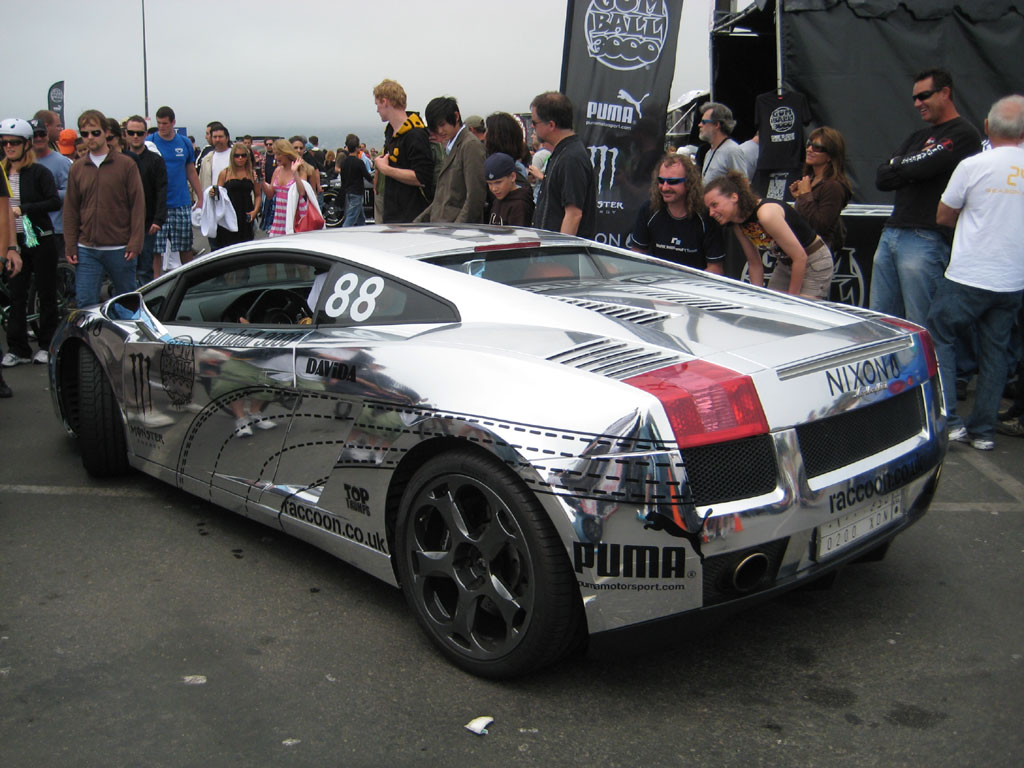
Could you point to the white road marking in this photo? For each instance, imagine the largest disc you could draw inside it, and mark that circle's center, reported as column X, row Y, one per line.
column 72, row 490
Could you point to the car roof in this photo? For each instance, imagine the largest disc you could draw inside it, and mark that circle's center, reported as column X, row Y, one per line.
column 426, row 240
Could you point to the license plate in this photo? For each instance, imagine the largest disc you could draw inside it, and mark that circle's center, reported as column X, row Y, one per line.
column 842, row 532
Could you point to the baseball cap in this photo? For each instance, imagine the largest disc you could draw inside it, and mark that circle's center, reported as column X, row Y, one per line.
column 66, row 142
column 498, row 165
column 475, row 122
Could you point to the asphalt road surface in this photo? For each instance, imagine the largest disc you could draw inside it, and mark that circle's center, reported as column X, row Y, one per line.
column 142, row 626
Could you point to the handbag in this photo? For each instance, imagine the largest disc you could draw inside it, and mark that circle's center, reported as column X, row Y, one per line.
column 309, row 220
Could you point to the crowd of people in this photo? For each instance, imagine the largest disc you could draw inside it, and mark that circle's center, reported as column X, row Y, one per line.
column 120, row 199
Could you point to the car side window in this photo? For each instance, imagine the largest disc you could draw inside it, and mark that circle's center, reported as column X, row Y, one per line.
column 254, row 289
column 352, row 295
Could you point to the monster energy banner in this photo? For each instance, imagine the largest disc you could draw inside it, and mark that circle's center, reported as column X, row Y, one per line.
column 55, row 99
column 617, row 67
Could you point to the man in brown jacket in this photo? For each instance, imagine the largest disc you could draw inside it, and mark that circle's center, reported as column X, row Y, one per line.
column 104, row 214
column 461, row 190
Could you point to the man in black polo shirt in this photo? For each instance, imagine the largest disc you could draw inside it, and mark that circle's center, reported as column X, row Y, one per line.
column 568, row 195
column 673, row 225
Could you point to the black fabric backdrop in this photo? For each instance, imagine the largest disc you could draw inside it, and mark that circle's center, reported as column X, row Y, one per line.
column 855, row 62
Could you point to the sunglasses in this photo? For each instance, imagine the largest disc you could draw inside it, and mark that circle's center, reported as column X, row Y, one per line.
column 244, row 154
column 925, row 95
column 708, row 122
column 134, row 133
column 672, row 181
column 817, row 147
column 91, row 133
column 12, row 142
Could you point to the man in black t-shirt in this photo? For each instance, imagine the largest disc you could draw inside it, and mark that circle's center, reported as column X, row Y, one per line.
column 672, row 225
column 568, row 195
column 913, row 250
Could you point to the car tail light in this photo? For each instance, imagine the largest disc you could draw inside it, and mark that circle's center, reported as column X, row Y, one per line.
column 705, row 403
column 926, row 341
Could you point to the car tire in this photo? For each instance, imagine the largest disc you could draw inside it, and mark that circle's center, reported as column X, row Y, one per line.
column 483, row 568
column 101, row 433
column 333, row 209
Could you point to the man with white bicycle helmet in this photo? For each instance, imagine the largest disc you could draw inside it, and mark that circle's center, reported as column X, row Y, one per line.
column 33, row 196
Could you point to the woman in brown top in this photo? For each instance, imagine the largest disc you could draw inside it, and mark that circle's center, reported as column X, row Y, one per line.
column 824, row 190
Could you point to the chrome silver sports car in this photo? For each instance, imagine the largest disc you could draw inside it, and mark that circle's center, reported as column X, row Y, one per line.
column 539, row 438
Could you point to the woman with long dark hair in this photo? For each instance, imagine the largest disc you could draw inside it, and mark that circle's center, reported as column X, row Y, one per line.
column 33, row 196
column 824, row 190
column 803, row 265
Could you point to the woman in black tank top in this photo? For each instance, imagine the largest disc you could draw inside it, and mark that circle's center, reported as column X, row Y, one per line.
column 803, row 262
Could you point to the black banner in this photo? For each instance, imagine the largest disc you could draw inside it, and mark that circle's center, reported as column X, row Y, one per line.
column 617, row 67
column 55, row 100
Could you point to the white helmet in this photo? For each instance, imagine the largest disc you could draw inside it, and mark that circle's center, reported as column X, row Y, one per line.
column 15, row 126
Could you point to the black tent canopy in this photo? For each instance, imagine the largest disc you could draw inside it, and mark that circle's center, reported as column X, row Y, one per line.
column 854, row 60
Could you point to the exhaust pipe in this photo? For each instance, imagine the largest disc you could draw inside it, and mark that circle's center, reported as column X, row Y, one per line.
column 749, row 572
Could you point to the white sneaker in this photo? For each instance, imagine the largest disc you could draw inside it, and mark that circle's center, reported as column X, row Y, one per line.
column 242, row 428
column 261, row 422
column 983, row 444
column 42, row 357
column 10, row 360
column 958, row 435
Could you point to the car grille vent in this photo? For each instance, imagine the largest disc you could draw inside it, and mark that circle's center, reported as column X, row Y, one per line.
column 636, row 315
column 615, row 359
column 834, row 442
column 682, row 299
column 737, row 469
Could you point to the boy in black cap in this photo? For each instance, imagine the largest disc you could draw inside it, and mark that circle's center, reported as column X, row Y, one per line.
column 513, row 205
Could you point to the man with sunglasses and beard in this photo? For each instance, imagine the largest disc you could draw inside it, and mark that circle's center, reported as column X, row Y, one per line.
column 104, row 214
column 154, row 188
column 673, row 224
column 913, row 250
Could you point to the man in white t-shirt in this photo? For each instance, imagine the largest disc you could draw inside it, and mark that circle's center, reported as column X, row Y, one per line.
column 215, row 162
column 984, row 281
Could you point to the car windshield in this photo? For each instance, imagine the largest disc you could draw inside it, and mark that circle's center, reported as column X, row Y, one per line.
column 526, row 266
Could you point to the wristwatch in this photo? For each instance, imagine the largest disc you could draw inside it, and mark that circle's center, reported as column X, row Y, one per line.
column 14, row 248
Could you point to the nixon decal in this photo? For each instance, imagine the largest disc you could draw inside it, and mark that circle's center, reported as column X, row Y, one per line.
column 330, row 369
column 630, row 560
column 141, row 388
column 626, row 34
column 867, row 375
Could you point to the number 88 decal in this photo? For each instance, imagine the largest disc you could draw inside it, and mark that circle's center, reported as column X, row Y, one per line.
column 365, row 302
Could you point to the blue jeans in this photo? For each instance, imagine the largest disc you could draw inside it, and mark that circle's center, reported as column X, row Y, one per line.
column 144, row 268
column 907, row 267
column 92, row 263
column 354, row 216
column 955, row 309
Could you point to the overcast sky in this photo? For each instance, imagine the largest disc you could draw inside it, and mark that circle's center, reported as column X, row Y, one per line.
column 260, row 72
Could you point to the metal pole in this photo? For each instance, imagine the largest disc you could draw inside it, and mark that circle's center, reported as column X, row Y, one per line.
column 145, row 75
